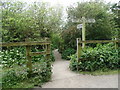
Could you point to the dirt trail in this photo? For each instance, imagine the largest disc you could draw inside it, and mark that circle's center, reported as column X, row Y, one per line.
column 62, row 77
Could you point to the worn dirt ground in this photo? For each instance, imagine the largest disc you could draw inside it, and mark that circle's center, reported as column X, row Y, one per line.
column 64, row 78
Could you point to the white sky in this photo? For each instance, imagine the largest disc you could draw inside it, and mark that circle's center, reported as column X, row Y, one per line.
column 65, row 2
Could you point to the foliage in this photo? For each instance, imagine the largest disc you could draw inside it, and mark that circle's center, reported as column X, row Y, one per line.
column 101, row 57
column 15, row 70
column 69, row 36
column 52, row 58
column 13, row 56
column 104, row 27
column 115, row 9
column 104, row 23
column 56, row 40
column 17, row 56
column 66, row 53
column 21, row 20
column 41, row 74
column 10, row 78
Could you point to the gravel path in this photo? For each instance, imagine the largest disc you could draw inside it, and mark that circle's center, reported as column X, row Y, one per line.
column 64, row 78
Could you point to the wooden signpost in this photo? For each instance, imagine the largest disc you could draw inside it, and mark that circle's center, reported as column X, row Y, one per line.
column 79, row 26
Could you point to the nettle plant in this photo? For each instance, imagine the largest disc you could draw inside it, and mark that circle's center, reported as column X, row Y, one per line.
column 102, row 57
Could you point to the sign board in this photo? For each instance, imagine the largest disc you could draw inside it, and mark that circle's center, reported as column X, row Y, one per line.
column 79, row 26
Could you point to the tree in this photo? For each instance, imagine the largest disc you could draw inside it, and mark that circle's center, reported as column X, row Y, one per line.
column 21, row 20
column 116, row 11
column 102, row 28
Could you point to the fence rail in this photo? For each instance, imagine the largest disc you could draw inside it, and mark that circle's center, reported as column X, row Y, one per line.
column 98, row 41
column 22, row 44
column 79, row 42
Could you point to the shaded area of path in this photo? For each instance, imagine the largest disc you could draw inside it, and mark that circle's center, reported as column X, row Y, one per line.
column 64, row 78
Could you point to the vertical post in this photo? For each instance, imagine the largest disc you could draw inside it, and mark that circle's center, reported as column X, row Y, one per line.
column 48, row 50
column 83, row 31
column 116, row 43
column 79, row 50
column 29, row 59
column 48, row 57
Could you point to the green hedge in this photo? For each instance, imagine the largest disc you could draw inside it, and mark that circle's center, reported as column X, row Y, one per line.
column 17, row 56
column 13, row 61
column 66, row 53
column 102, row 57
column 12, row 77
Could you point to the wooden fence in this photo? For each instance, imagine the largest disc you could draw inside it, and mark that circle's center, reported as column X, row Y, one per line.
column 29, row 54
column 79, row 42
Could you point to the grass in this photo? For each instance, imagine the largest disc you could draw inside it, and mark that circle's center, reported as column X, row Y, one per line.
column 24, row 84
column 99, row 72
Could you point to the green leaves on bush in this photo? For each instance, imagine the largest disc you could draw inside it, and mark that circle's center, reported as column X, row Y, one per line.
column 11, row 78
column 17, row 56
column 13, row 56
column 101, row 57
column 41, row 73
column 15, row 59
column 66, row 53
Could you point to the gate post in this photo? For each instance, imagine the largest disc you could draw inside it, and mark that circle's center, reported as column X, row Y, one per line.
column 29, row 59
column 48, row 52
column 48, row 48
column 79, row 50
column 116, row 43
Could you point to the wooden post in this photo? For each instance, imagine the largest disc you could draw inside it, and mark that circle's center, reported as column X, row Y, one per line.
column 29, row 59
column 116, row 44
column 48, row 50
column 79, row 50
column 83, row 31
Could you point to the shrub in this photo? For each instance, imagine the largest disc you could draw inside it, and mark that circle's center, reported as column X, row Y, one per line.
column 13, row 56
column 41, row 73
column 66, row 53
column 101, row 57
column 17, row 56
column 17, row 73
column 11, row 78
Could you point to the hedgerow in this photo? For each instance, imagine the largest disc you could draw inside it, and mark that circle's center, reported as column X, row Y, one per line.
column 102, row 57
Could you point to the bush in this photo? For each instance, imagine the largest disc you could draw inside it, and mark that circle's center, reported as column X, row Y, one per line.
column 15, row 70
column 11, row 77
column 102, row 57
column 13, row 56
column 41, row 73
column 17, row 56
column 66, row 53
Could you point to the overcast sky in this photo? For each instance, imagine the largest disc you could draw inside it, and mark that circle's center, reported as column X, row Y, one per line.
column 65, row 2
